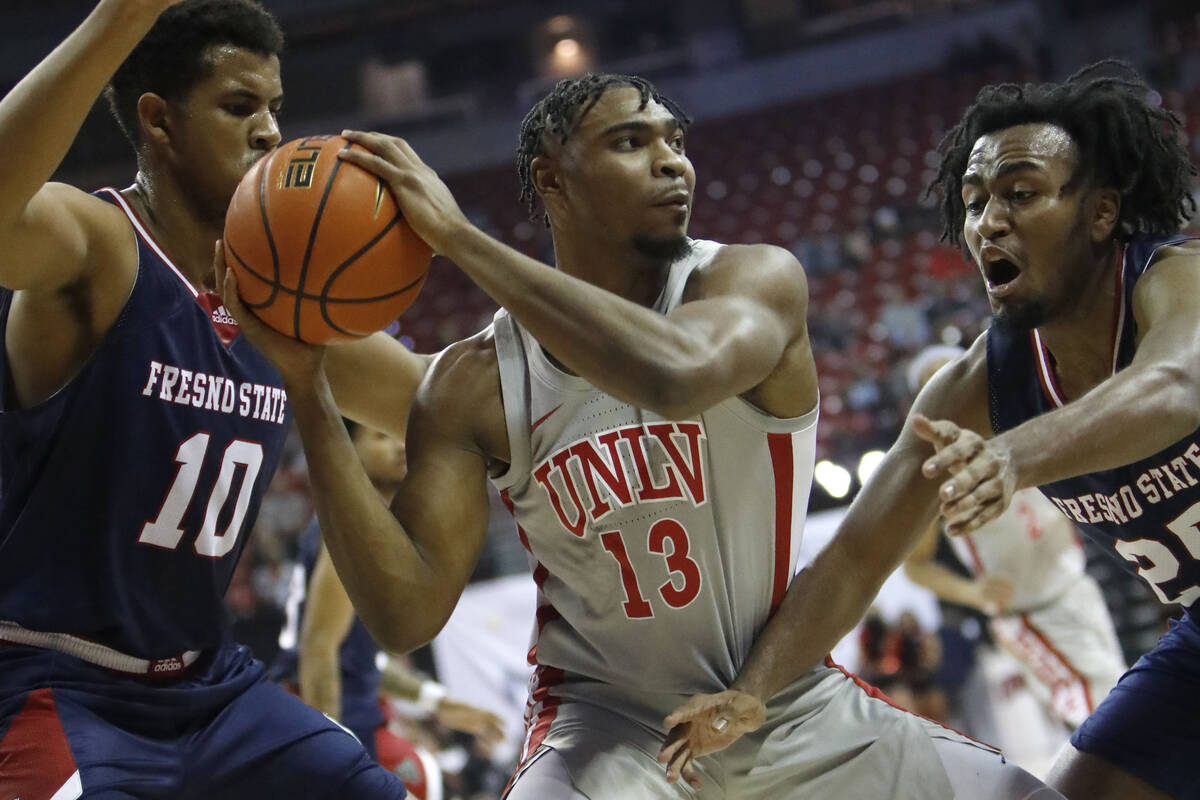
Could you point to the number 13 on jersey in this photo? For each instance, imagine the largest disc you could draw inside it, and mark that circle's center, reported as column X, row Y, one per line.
column 663, row 534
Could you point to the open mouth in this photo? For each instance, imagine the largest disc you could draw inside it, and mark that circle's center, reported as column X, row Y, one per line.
column 1000, row 272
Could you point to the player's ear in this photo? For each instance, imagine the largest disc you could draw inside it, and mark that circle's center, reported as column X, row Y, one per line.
column 1106, row 209
column 153, row 119
column 543, row 173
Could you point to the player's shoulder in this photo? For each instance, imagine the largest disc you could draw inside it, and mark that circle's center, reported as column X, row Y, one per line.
column 464, row 374
column 959, row 390
column 764, row 269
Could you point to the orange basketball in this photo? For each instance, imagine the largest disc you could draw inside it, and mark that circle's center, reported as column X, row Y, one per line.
column 319, row 247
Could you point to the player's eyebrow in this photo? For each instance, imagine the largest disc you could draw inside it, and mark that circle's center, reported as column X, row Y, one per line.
column 973, row 177
column 638, row 125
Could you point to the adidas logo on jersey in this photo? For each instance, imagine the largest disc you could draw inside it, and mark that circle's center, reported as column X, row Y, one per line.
column 221, row 316
column 172, row 664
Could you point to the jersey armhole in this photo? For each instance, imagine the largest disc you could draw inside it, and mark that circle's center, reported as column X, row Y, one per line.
column 514, row 396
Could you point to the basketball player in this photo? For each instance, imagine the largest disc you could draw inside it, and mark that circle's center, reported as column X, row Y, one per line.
column 333, row 662
column 1067, row 197
column 1029, row 576
column 139, row 430
column 648, row 409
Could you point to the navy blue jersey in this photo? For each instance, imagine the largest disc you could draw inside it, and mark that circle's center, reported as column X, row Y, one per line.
column 356, row 657
column 1148, row 511
column 126, row 497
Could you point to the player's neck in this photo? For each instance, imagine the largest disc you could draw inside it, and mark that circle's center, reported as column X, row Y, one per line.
column 618, row 268
column 1080, row 339
column 176, row 226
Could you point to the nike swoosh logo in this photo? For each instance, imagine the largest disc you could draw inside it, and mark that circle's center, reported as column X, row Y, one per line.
column 543, row 418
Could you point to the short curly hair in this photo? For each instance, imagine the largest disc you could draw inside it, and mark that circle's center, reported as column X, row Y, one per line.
column 173, row 55
column 559, row 112
column 1125, row 142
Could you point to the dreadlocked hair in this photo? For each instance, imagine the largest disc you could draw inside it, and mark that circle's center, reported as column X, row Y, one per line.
column 1124, row 142
column 558, row 113
column 173, row 56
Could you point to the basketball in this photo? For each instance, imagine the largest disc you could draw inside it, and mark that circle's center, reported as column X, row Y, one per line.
column 319, row 247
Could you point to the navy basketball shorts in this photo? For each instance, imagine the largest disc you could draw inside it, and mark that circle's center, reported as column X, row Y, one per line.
column 1149, row 724
column 69, row 729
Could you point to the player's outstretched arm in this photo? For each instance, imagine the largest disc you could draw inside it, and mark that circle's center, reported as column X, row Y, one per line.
column 405, row 567
column 826, row 599
column 433, row 698
column 328, row 616
column 989, row 594
column 728, row 336
column 1149, row 405
column 52, row 233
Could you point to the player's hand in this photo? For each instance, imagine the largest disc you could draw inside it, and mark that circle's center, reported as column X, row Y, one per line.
column 295, row 360
column 484, row 725
column 428, row 206
column 982, row 474
column 705, row 724
column 995, row 593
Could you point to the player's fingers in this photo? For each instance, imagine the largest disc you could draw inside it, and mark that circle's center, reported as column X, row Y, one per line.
column 688, row 771
column 390, row 148
column 219, row 261
column 697, row 706
column 957, row 453
column 676, row 740
column 679, row 761
column 939, row 434
column 983, row 515
column 373, row 163
column 989, row 490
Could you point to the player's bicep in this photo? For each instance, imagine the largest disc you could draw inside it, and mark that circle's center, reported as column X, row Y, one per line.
column 745, row 312
column 62, row 235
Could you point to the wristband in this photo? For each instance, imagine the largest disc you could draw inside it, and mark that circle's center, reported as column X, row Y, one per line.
column 430, row 695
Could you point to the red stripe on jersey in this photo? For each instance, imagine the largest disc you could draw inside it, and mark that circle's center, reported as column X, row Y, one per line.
column 35, row 757
column 780, row 445
column 879, row 695
column 540, row 712
column 1046, row 374
column 1087, row 693
column 546, row 613
column 1118, row 312
column 976, row 562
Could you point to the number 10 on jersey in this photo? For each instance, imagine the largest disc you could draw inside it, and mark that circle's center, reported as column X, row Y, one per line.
column 166, row 530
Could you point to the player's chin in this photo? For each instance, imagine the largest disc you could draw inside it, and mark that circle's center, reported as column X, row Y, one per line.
column 664, row 246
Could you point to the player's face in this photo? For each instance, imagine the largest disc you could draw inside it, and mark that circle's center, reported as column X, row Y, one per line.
column 382, row 456
column 627, row 172
column 1024, row 221
column 226, row 122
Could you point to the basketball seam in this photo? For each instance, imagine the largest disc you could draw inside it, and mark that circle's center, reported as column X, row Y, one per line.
column 324, row 297
column 262, row 210
column 312, row 238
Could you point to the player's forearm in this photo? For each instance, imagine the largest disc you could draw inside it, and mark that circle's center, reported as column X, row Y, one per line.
column 41, row 116
column 629, row 351
column 944, row 583
column 394, row 590
column 1127, row 418
column 320, row 680
column 396, row 680
column 825, row 601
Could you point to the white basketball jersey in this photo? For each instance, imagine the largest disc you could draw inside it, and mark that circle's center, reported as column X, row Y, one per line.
column 1032, row 544
column 659, row 547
